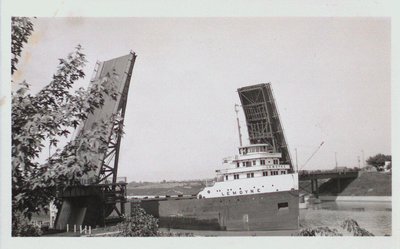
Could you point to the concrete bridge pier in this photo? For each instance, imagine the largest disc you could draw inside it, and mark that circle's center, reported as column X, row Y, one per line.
column 339, row 189
column 314, row 187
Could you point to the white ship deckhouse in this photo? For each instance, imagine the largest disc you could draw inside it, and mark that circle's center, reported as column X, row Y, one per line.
column 257, row 169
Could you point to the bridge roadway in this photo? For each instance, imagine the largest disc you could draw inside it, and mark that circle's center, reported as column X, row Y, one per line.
column 327, row 174
column 336, row 174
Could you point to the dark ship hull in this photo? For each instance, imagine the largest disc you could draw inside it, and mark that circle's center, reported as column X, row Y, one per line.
column 258, row 212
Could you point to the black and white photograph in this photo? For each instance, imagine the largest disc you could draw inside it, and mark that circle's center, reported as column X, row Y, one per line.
column 232, row 127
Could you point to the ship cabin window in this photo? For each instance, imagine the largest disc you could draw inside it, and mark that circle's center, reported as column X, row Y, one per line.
column 283, row 205
column 236, row 176
column 283, row 172
column 276, row 161
column 254, row 162
column 250, row 175
column 265, row 173
column 274, row 172
column 226, row 178
column 262, row 162
column 237, row 164
column 248, row 164
column 244, row 164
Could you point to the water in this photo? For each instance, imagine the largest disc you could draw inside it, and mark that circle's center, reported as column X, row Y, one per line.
column 376, row 217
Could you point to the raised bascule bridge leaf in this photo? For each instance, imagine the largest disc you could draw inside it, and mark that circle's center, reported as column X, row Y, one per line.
column 262, row 119
column 99, row 192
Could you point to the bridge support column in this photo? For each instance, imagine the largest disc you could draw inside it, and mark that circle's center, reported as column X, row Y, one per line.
column 338, row 185
column 312, row 186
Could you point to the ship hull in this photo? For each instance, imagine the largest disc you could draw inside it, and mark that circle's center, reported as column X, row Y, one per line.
column 257, row 212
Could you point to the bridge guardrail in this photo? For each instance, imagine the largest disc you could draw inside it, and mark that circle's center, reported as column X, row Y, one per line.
column 316, row 172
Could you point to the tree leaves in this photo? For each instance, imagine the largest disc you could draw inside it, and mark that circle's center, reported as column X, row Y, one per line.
column 379, row 160
column 139, row 224
column 21, row 29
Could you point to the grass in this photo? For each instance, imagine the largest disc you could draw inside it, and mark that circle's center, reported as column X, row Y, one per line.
column 367, row 184
column 166, row 188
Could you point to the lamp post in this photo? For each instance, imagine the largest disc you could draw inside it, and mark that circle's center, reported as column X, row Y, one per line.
column 336, row 165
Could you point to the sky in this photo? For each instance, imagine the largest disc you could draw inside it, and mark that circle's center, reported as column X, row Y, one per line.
column 330, row 77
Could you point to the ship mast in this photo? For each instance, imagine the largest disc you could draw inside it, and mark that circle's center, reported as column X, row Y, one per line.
column 238, row 124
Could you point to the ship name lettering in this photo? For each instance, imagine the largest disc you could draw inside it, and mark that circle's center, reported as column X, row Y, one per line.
column 227, row 193
column 251, row 191
column 246, row 191
column 240, row 192
column 258, row 190
column 234, row 192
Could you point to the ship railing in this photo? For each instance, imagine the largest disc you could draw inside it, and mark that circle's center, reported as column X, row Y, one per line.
column 252, row 168
column 256, row 155
column 227, row 159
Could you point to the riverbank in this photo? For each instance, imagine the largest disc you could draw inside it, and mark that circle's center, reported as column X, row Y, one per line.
column 366, row 184
column 371, row 184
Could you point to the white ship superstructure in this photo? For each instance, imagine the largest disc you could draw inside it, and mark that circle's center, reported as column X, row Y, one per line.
column 257, row 169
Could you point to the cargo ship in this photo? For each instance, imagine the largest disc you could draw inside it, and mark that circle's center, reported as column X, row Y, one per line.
column 255, row 190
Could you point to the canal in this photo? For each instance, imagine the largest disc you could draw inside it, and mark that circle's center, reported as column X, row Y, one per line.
column 376, row 217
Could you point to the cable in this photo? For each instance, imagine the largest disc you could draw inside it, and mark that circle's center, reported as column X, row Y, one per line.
column 312, row 155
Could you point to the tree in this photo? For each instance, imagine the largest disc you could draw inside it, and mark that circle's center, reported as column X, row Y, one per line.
column 47, row 116
column 21, row 29
column 139, row 224
column 379, row 160
column 23, row 227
